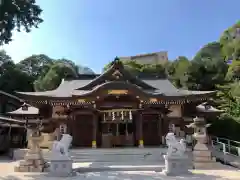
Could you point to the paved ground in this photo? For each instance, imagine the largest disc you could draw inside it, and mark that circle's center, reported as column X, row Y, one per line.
column 226, row 173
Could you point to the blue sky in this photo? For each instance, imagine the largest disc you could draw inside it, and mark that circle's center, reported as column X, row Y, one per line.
column 93, row 32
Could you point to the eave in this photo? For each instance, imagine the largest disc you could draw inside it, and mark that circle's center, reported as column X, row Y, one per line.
column 11, row 96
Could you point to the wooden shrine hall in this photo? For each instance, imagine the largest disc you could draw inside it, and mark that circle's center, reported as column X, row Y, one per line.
column 117, row 109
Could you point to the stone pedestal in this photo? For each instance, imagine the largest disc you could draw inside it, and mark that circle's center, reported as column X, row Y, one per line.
column 176, row 165
column 202, row 157
column 33, row 160
column 60, row 166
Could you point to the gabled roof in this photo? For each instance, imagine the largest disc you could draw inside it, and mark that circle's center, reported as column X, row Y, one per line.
column 116, row 72
column 118, row 76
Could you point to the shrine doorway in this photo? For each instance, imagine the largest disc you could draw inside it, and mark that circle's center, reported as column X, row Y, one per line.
column 119, row 132
column 82, row 130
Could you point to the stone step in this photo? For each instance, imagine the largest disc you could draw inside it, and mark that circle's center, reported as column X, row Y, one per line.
column 113, row 157
column 108, row 155
column 207, row 165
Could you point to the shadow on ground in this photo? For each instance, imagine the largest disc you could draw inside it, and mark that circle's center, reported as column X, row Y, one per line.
column 116, row 176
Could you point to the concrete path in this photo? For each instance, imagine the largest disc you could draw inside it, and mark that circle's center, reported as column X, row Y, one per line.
column 226, row 173
column 228, row 158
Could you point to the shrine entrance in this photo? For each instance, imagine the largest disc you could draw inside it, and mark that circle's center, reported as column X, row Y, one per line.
column 118, row 129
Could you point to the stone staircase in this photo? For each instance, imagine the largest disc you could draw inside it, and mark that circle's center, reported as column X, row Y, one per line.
column 113, row 159
column 106, row 155
column 119, row 155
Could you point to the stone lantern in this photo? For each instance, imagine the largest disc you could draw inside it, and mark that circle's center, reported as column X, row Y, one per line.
column 202, row 156
column 33, row 160
column 200, row 129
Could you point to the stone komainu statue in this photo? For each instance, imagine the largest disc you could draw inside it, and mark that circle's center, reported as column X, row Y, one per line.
column 63, row 145
column 175, row 148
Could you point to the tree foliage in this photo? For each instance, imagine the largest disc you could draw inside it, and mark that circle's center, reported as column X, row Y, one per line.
column 230, row 42
column 18, row 14
column 177, row 71
column 11, row 78
column 37, row 72
column 58, row 71
column 207, row 68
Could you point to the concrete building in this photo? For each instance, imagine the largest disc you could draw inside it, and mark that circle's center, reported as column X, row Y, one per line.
column 150, row 58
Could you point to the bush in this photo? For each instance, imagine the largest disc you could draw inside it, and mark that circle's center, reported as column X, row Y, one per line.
column 225, row 127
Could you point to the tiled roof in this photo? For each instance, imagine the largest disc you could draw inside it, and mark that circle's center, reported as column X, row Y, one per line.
column 84, row 86
column 64, row 90
column 162, row 86
column 67, row 88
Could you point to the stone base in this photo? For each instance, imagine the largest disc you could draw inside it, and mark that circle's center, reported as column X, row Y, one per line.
column 60, row 166
column 33, row 162
column 167, row 173
column 61, row 174
column 36, row 165
column 176, row 165
column 202, row 157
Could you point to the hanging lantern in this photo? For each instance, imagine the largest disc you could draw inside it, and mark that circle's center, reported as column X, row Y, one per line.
column 104, row 117
column 122, row 115
column 130, row 115
column 113, row 116
column 173, row 128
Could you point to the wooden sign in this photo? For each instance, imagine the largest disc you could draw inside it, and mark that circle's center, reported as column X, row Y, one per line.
column 117, row 92
column 81, row 100
column 153, row 100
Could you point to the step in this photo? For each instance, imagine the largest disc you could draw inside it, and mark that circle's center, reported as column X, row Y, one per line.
column 122, row 155
column 107, row 155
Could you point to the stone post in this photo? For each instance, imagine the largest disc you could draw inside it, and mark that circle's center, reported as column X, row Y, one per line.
column 140, row 140
column 94, row 136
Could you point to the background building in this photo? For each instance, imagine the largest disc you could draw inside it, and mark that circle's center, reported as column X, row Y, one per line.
column 150, row 58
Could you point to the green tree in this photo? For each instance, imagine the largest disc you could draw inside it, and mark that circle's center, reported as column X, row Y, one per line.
column 4, row 57
column 11, row 77
column 211, row 50
column 177, row 70
column 229, row 100
column 230, row 42
column 208, row 68
column 35, row 65
column 19, row 14
column 58, row 71
column 233, row 71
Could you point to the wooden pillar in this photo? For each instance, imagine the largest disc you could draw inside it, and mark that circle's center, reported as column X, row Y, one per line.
column 160, row 129
column 94, row 134
column 140, row 131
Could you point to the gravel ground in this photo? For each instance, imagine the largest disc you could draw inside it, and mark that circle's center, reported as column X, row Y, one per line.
column 226, row 173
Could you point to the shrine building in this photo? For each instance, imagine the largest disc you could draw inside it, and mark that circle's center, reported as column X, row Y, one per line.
column 117, row 109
